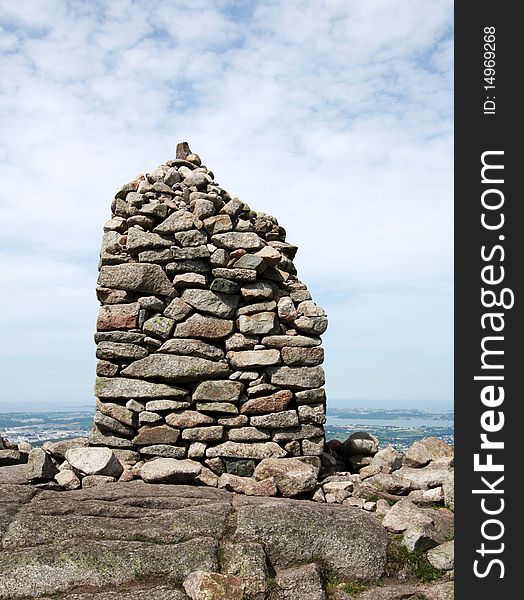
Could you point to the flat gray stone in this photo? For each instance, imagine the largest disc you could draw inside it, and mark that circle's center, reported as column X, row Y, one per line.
column 276, row 420
column 116, row 351
column 189, row 347
column 169, row 367
column 40, row 465
column 200, row 326
column 297, row 377
column 137, row 277
column 212, row 303
column 218, row 390
column 170, row 470
column 258, row 323
column 246, row 359
column 94, row 461
column 258, row 451
column 123, row 388
column 234, row 240
column 349, row 542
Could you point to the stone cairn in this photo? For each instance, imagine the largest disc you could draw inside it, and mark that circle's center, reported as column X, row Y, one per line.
column 208, row 344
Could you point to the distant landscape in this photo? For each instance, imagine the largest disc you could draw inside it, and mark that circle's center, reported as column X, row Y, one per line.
column 399, row 427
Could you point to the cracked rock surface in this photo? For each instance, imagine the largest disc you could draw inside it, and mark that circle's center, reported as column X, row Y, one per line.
column 132, row 540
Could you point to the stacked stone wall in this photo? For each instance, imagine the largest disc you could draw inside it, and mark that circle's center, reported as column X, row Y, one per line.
column 208, row 344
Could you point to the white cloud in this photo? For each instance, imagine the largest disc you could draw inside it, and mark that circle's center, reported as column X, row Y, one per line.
column 335, row 116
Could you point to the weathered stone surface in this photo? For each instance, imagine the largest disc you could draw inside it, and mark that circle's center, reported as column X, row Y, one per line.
column 233, row 240
column 297, row 377
column 118, row 412
column 150, row 417
column 217, row 407
column 122, row 388
column 116, row 351
column 253, row 358
column 203, row 434
column 404, row 515
column 313, row 447
column 312, row 413
column 138, row 240
column 250, row 309
column 258, row 323
column 170, row 470
column 293, row 477
column 390, row 483
column 312, row 325
column 124, row 337
column 360, row 443
column 311, row 357
column 189, row 347
column 189, row 280
column 90, row 481
column 163, row 451
column 67, row 479
column 106, row 423
column 177, row 310
column 159, row 326
column 250, row 261
column 349, row 542
column 117, row 316
column 443, row 556
column 168, row 367
column 426, row 450
column 58, row 449
column 247, row 561
column 247, row 434
column 159, row 434
column 258, row 451
column 105, row 368
column 277, row 420
column 428, row 477
column 256, row 292
column 201, row 326
column 246, row 485
column 40, row 465
column 202, row 585
column 224, row 286
column 301, row 583
column 236, row 421
column 243, row 275
column 238, row 341
column 190, row 253
column 219, row 390
column 388, row 457
column 162, row 405
column 137, row 277
column 298, row 433
column 213, row 303
column 192, row 237
column 94, row 461
column 267, row 404
column 218, row 224
column 313, row 396
column 181, row 220
column 292, row 341
column 188, row 418
column 100, row 438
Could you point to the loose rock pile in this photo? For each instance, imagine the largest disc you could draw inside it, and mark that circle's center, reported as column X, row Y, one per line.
column 208, row 343
column 12, row 453
column 384, row 530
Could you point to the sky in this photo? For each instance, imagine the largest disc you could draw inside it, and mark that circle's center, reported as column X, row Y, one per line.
column 335, row 116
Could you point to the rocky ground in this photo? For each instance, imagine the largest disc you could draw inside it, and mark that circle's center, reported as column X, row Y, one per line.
column 377, row 526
